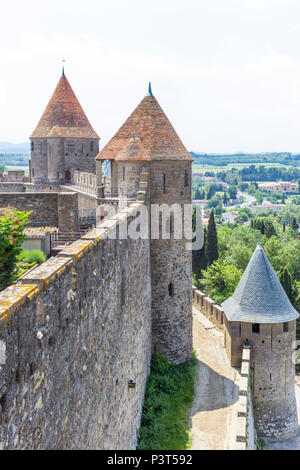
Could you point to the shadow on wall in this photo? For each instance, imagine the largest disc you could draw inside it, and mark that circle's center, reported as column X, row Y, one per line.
column 212, row 390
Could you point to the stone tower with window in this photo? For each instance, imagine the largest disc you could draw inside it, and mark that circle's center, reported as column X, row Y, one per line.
column 64, row 140
column 147, row 143
column 260, row 313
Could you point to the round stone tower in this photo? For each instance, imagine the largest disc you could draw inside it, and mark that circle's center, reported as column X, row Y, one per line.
column 64, row 140
column 147, row 143
column 260, row 313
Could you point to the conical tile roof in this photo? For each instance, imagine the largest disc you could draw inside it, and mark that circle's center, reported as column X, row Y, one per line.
column 63, row 116
column 259, row 296
column 155, row 136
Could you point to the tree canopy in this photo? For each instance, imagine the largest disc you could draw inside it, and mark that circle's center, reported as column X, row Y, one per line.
column 12, row 223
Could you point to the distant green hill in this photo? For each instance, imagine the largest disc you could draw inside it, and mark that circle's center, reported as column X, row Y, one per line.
column 9, row 147
column 285, row 158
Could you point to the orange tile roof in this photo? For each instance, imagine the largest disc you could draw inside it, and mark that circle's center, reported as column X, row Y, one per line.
column 63, row 116
column 154, row 137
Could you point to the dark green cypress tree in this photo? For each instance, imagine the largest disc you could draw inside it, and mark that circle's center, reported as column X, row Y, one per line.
column 199, row 262
column 211, row 241
column 283, row 227
column 286, row 282
column 294, row 224
column 197, row 194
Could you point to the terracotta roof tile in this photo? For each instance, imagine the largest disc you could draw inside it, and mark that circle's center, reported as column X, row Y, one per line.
column 156, row 138
column 63, row 116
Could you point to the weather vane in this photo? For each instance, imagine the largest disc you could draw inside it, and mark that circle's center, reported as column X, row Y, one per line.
column 63, row 69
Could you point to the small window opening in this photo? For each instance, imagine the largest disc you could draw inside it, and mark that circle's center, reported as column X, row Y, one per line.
column 164, row 183
column 71, row 146
column 92, row 146
column 32, row 170
column 123, row 173
column 285, row 327
column 172, row 224
column 171, row 289
column 32, row 146
column 255, row 328
column 186, row 178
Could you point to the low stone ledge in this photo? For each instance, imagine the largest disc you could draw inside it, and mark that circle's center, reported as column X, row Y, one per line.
column 245, row 369
column 242, row 406
column 96, row 234
column 245, row 430
column 15, row 296
column 45, row 273
column 246, row 353
column 241, row 433
column 77, row 249
column 243, row 386
column 109, row 223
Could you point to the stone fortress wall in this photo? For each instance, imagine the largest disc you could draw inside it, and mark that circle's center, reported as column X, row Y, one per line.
column 59, row 209
column 60, row 206
column 75, row 345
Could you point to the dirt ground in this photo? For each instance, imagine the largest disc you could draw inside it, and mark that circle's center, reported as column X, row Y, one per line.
column 215, row 392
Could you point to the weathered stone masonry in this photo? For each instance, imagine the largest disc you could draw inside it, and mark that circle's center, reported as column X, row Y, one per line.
column 59, row 209
column 76, row 332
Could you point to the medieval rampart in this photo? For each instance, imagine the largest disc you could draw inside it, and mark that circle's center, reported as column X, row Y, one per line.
column 75, row 345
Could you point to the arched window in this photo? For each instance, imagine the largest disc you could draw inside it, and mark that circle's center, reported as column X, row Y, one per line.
column 171, row 289
column 32, row 146
column 68, row 176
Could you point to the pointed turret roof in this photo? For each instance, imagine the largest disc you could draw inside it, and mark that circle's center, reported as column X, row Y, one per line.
column 63, row 116
column 155, row 137
column 259, row 296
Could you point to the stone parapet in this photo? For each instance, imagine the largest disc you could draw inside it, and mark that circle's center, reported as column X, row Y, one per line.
column 208, row 307
column 245, row 429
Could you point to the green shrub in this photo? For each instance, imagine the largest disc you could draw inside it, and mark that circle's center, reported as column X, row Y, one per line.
column 33, row 256
column 12, row 223
column 168, row 398
column 160, row 364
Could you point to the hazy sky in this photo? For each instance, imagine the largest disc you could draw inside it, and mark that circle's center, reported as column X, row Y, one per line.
column 226, row 72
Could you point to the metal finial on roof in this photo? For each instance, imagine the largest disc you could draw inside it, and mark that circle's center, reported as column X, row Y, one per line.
column 149, row 90
column 63, row 69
